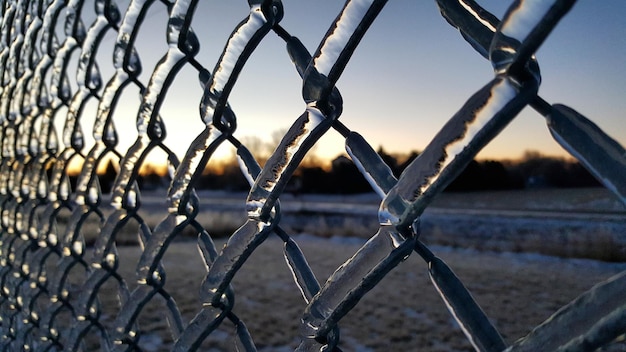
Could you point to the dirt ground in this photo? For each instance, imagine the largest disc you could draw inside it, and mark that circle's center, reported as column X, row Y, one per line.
column 402, row 313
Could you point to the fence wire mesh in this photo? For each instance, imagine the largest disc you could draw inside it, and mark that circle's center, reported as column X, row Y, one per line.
column 57, row 293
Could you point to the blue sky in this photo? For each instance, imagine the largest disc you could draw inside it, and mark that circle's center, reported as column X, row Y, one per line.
column 411, row 72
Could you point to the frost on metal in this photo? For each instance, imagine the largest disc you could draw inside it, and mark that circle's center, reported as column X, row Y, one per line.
column 52, row 284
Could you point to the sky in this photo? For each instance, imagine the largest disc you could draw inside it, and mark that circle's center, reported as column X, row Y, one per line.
column 411, row 72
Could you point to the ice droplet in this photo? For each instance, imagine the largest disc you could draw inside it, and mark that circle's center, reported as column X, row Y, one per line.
column 131, row 199
column 64, row 189
column 78, row 139
column 111, row 260
column 52, row 239
column 110, row 134
column 93, row 194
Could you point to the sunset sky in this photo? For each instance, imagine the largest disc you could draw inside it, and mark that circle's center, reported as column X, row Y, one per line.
column 411, row 72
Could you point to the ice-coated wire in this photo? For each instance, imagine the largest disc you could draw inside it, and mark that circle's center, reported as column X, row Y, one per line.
column 596, row 150
column 52, row 279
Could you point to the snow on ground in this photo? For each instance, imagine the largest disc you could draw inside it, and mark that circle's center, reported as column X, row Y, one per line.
column 516, row 267
column 587, row 223
column 403, row 312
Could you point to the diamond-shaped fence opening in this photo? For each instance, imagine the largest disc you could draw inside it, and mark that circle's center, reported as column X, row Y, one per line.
column 69, row 283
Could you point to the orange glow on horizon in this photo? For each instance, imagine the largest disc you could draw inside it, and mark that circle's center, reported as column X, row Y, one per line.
column 220, row 163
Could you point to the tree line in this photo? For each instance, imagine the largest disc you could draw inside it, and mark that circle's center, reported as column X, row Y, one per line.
column 343, row 177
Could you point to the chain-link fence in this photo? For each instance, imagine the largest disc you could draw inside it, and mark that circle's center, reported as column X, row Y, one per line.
column 57, row 293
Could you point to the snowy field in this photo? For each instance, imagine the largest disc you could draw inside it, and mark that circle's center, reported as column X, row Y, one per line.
column 495, row 242
column 579, row 223
column 403, row 313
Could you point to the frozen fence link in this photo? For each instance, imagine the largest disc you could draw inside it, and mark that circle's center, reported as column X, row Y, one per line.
column 64, row 282
column 475, row 324
column 593, row 319
column 602, row 155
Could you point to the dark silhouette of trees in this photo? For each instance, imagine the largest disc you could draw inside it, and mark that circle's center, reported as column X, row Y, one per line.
column 580, row 177
column 107, row 178
column 468, row 180
column 391, row 161
column 346, row 178
column 409, row 159
column 229, row 178
column 314, row 180
column 481, row 176
column 535, row 170
column 343, row 177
